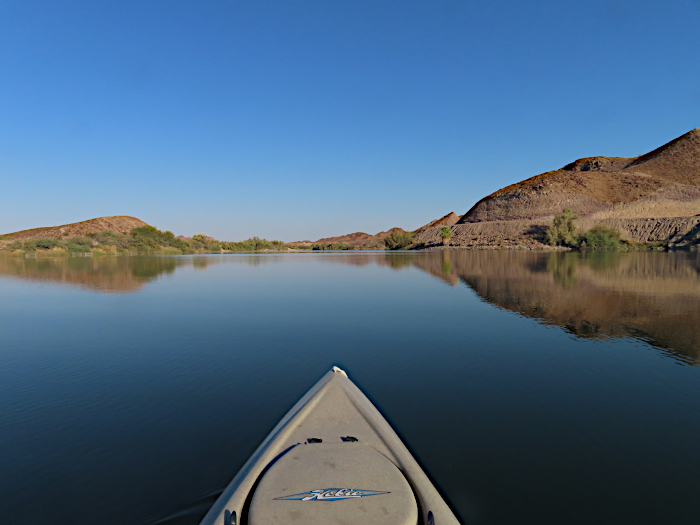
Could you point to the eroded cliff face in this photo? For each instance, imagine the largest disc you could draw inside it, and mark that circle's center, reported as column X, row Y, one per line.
column 662, row 183
column 676, row 231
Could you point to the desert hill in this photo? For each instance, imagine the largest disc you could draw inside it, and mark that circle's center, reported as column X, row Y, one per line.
column 118, row 224
column 662, row 183
column 357, row 239
column 448, row 220
column 366, row 240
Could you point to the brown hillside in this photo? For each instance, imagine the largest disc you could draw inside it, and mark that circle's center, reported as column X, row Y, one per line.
column 448, row 220
column 366, row 240
column 662, row 183
column 359, row 239
column 119, row 224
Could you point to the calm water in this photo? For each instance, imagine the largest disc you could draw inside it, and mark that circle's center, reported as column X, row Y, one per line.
column 533, row 387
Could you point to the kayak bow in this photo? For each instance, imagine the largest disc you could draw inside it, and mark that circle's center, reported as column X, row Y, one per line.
column 332, row 459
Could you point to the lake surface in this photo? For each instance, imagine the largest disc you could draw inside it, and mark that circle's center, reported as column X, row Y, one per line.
column 532, row 387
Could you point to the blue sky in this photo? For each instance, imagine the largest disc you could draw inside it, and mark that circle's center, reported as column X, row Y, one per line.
column 303, row 119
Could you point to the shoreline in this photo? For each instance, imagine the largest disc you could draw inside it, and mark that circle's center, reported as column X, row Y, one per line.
column 448, row 248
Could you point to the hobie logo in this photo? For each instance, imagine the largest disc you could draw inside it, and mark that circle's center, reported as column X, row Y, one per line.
column 332, row 494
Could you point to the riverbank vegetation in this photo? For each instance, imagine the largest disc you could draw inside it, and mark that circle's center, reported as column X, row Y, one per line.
column 445, row 234
column 332, row 246
column 398, row 240
column 600, row 237
column 142, row 240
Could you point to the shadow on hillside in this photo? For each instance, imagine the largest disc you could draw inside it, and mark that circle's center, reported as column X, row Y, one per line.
column 537, row 232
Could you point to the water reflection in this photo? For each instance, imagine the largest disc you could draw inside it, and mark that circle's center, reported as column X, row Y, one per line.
column 646, row 295
column 103, row 274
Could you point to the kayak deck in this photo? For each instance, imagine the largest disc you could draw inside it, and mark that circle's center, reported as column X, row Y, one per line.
column 333, row 458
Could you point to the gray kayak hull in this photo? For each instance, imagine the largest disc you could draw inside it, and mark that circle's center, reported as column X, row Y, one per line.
column 331, row 459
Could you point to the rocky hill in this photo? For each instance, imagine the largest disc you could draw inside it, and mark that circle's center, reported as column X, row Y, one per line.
column 448, row 220
column 651, row 198
column 118, row 224
column 357, row 239
column 366, row 240
column 662, row 183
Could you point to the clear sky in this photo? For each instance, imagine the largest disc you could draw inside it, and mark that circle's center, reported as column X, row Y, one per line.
column 304, row 119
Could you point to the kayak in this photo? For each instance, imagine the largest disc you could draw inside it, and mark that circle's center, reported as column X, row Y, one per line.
column 332, row 459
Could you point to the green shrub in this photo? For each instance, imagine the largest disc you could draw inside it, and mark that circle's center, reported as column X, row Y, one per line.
column 397, row 240
column 332, row 246
column 46, row 244
column 445, row 233
column 110, row 238
column 146, row 239
column 169, row 250
column 77, row 248
column 600, row 237
column 563, row 231
column 249, row 245
column 79, row 244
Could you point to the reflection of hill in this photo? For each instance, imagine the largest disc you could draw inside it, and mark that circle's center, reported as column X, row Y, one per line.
column 108, row 274
column 646, row 295
column 113, row 274
column 104, row 274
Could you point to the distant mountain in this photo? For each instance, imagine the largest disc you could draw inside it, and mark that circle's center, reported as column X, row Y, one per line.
column 119, row 224
column 357, row 239
column 662, row 183
column 366, row 240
